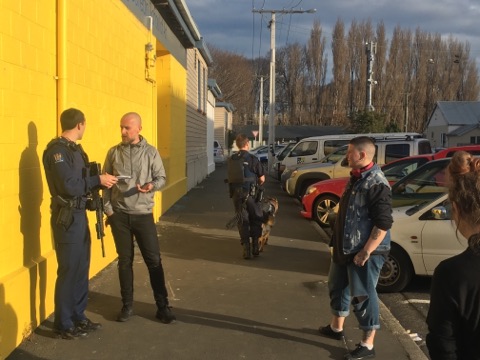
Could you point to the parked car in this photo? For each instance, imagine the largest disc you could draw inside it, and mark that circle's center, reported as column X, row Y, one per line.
column 315, row 148
column 218, row 153
column 262, row 154
column 333, row 167
column 422, row 236
column 321, row 197
column 277, row 168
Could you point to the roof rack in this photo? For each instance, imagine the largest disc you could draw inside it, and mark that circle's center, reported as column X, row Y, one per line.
column 397, row 136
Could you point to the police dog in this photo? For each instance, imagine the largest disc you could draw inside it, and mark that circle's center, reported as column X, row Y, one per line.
column 270, row 208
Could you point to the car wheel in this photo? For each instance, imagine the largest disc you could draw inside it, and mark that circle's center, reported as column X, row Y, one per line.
column 397, row 271
column 323, row 207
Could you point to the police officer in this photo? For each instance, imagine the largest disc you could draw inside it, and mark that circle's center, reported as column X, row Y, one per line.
column 249, row 211
column 69, row 181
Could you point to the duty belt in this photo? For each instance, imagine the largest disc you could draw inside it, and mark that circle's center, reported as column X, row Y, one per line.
column 75, row 202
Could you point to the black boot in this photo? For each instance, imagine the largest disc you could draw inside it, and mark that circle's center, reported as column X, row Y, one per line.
column 255, row 251
column 246, row 250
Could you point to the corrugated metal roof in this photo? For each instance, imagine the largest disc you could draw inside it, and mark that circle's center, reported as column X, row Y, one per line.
column 463, row 130
column 460, row 112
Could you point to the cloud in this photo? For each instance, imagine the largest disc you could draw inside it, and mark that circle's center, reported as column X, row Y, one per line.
column 231, row 25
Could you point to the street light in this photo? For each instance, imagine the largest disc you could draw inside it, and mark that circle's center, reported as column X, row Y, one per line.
column 271, row 116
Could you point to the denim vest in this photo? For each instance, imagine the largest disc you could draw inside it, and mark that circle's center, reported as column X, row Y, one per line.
column 358, row 224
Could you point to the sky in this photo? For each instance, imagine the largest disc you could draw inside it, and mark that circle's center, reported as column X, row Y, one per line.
column 231, row 25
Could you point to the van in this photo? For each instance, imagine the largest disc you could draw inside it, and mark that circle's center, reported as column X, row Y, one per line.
column 315, row 148
column 333, row 166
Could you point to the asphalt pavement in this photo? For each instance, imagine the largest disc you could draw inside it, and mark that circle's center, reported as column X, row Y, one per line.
column 265, row 308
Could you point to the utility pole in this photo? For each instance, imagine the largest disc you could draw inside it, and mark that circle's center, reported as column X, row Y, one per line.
column 271, row 115
column 260, row 113
column 371, row 49
column 406, row 112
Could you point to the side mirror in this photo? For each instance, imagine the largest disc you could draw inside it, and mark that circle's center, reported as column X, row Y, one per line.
column 440, row 213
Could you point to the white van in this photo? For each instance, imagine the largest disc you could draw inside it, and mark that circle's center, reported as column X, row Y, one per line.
column 315, row 148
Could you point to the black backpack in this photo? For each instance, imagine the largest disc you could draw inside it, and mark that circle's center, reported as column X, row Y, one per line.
column 238, row 172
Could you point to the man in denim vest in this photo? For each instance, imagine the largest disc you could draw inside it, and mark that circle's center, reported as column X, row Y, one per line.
column 360, row 243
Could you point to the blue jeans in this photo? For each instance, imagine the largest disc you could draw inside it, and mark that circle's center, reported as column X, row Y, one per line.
column 124, row 228
column 349, row 284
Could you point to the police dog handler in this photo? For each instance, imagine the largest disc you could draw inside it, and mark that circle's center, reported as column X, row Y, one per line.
column 245, row 196
column 129, row 207
column 69, row 181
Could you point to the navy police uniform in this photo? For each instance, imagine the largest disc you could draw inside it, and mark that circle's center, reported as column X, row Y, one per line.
column 244, row 200
column 69, row 182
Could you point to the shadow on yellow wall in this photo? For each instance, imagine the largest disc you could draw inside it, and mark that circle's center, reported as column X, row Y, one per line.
column 31, row 197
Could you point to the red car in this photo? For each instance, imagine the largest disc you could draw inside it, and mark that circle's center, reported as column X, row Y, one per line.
column 321, row 197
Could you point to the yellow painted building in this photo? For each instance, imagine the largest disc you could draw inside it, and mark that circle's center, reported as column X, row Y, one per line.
column 105, row 58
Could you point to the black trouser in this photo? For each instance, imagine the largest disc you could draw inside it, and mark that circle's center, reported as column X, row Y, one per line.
column 124, row 228
column 251, row 216
column 73, row 258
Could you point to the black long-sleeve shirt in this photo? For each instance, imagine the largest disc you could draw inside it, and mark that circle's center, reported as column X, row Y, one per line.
column 454, row 314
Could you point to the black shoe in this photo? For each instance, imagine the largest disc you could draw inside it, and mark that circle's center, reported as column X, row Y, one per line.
column 328, row 332
column 73, row 333
column 246, row 251
column 361, row 352
column 165, row 315
column 125, row 314
column 88, row 326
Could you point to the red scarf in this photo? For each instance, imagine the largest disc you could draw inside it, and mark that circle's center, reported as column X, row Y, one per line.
column 358, row 172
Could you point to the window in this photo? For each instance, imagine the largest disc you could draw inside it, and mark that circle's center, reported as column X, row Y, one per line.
column 475, row 140
column 199, row 85
column 305, row 148
column 443, row 139
column 332, row 145
column 396, row 151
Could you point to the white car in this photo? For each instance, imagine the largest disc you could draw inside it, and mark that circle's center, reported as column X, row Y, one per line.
column 218, row 154
column 422, row 236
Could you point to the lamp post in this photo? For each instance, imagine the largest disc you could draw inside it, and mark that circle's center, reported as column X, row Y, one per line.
column 271, row 115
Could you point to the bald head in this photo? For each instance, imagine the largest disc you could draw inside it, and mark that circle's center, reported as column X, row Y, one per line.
column 131, row 125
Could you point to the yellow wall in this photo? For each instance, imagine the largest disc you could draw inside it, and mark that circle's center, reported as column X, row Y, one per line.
column 171, row 97
column 101, row 71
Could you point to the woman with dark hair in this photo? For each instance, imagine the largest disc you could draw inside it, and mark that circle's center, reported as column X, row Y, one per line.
column 454, row 315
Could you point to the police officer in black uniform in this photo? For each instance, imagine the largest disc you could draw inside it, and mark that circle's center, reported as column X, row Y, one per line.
column 249, row 211
column 69, row 181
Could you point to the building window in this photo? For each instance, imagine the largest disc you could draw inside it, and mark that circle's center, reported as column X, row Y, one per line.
column 475, row 140
column 199, row 85
column 443, row 139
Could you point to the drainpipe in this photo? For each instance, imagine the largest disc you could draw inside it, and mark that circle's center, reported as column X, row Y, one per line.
column 61, row 58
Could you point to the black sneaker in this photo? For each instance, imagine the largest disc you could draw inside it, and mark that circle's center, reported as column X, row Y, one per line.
column 125, row 314
column 73, row 333
column 88, row 326
column 361, row 352
column 328, row 332
column 165, row 315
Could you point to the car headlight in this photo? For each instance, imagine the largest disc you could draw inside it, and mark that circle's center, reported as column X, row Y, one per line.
column 310, row 189
column 294, row 173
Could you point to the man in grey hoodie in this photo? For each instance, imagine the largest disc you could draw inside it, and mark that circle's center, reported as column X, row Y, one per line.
column 129, row 207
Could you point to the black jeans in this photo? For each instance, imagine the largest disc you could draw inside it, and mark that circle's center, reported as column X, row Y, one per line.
column 124, row 228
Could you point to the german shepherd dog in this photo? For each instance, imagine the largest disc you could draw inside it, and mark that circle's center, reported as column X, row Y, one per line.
column 270, row 209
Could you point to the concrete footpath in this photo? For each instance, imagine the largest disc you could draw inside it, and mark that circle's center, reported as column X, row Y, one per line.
column 226, row 307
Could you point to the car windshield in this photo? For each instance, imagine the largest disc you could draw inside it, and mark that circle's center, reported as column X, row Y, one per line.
column 335, row 156
column 401, row 168
column 285, row 151
column 424, row 184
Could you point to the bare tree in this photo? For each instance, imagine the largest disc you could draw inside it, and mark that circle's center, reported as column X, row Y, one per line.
column 235, row 77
